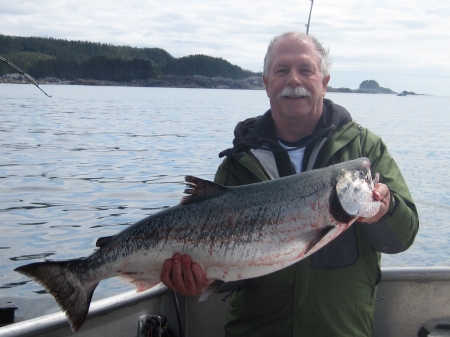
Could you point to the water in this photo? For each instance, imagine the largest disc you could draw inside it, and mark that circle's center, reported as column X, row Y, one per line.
column 90, row 161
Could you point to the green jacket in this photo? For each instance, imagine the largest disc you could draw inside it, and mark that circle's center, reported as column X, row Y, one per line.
column 332, row 292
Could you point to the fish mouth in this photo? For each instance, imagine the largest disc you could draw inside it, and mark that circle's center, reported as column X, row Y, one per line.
column 374, row 182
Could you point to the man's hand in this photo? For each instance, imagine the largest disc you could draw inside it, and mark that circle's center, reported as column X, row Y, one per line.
column 181, row 275
column 380, row 193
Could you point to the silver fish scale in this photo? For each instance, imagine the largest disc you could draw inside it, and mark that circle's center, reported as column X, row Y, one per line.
column 233, row 233
column 240, row 226
column 244, row 225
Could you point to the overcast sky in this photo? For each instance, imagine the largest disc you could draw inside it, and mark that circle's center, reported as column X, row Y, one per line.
column 402, row 44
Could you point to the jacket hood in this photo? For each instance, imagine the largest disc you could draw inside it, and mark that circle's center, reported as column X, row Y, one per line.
column 253, row 132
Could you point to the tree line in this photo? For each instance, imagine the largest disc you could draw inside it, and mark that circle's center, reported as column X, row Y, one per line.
column 205, row 66
column 49, row 57
column 97, row 68
column 77, row 50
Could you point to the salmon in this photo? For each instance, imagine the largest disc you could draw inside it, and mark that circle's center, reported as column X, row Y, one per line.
column 234, row 233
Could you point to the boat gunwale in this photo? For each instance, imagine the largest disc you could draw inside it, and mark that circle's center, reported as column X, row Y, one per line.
column 45, row 323
column 53, row 321
column 418, row 274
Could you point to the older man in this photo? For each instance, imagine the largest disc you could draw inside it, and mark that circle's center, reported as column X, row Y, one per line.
column 332, row 292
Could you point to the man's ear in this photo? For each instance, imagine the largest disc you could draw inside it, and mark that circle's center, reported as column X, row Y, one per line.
column 325, row 81
column 266, row 84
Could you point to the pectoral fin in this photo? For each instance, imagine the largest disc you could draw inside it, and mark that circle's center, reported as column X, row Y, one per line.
column 326, row 235
column 211, row 289
column 319, row 237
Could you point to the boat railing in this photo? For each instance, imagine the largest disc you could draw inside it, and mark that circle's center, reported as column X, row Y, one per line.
column 409, row 302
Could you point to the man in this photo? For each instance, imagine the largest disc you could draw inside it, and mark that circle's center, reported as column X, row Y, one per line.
column 332, row 292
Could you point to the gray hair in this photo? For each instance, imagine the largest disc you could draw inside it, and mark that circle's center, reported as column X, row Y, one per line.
column 324, row 57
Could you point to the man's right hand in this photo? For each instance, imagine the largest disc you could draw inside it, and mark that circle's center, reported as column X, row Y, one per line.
column 182, row 275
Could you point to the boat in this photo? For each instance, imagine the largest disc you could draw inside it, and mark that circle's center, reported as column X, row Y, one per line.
column 403, row 93
column 413, row 301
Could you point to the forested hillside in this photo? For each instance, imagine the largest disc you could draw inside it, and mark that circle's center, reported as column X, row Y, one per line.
column 48, row 57
column 97, row 67
column 205, row 66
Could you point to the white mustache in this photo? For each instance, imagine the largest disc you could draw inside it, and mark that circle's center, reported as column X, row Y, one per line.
column 294, row 92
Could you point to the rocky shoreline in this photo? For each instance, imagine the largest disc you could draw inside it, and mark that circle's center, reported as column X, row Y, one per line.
column 166, row 81
column 195, row 81
column 379, row 90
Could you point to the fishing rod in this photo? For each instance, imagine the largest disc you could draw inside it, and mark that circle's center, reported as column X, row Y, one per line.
column 309, row 19
column 21, row 72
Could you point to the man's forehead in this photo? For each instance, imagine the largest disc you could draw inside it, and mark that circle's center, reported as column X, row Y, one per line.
column 295, row 45
column 290, row 41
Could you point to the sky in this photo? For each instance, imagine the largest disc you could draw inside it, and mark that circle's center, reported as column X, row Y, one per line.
column 401, row 44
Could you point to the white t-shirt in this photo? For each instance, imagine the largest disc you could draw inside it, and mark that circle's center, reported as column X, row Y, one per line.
column 296, row 156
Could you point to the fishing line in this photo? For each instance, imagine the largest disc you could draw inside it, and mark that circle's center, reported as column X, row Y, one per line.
column 177, row 309
column 21, row 72
column 309, row 19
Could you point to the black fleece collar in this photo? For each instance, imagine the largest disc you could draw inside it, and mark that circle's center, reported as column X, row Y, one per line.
column 253, row 132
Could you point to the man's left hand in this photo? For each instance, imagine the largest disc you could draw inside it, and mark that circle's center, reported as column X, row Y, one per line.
column 380, row 193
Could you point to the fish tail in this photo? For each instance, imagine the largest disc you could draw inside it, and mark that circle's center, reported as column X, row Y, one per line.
column 61, row 281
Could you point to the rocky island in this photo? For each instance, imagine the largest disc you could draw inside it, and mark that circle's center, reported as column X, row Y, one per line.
column 370, row 87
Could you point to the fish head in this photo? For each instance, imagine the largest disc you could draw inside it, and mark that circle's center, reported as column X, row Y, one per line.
column 354, row 190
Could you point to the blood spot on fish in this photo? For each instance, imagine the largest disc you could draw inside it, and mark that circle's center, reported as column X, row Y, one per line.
column 239, row 276
column 315, row 226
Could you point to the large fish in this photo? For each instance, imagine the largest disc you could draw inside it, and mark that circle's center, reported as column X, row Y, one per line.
column 232, row 232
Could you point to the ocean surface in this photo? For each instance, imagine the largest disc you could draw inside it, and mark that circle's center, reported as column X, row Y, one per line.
column 91, row 161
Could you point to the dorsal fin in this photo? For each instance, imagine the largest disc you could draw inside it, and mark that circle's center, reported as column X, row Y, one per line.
column 103, row 241
column 198, row 189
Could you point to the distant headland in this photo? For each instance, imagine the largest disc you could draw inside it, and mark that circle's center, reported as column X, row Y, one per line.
column 57, row 61
column 370, row 87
